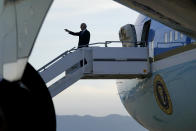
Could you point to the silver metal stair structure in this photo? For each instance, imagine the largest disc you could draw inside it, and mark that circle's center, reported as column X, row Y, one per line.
column 95, row 63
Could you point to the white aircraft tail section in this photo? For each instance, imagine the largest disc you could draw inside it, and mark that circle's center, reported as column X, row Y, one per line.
column 95, row 63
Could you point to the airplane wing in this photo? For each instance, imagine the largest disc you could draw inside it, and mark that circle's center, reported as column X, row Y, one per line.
column 177, row 14
column 19, row 26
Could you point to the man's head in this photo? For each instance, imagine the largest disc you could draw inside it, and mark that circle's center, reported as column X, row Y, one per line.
column 83, row 26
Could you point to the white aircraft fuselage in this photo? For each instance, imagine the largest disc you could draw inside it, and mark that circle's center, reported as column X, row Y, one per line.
column 164, row 101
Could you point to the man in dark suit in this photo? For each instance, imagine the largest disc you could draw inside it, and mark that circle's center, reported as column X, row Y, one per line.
column 84, row 35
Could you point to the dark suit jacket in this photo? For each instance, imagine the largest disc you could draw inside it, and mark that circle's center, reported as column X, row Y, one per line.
column 84, row 38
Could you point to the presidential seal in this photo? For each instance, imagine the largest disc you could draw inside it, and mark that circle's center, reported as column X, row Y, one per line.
column 162, row 95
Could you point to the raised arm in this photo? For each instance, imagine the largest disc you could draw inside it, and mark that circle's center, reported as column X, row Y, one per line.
column 72, row 33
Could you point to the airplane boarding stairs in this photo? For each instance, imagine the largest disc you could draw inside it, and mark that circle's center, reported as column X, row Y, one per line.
column 95, row 63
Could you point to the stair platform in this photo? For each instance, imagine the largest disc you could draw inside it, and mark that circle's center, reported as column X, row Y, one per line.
column 96, row 63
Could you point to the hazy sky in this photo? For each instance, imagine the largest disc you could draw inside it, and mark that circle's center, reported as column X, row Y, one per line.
column 104, row 19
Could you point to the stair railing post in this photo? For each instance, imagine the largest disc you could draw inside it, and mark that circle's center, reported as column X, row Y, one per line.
column 83, row 60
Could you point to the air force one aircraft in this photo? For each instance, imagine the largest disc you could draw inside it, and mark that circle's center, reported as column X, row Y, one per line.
column 161, row 100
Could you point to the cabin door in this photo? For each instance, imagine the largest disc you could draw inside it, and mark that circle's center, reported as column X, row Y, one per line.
column 145, row 33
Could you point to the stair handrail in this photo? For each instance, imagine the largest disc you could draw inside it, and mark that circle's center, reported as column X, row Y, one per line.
column 109, row 42
column 56, row 59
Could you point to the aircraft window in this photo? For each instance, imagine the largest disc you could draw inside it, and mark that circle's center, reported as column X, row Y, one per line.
column 181, row 35
column 166, row 37
column 170, row 36
column 176, row 35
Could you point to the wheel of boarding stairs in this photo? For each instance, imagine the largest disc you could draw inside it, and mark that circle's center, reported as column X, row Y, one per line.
column 26, row 105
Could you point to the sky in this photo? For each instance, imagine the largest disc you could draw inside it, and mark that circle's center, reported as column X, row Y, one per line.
column 104, row 19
